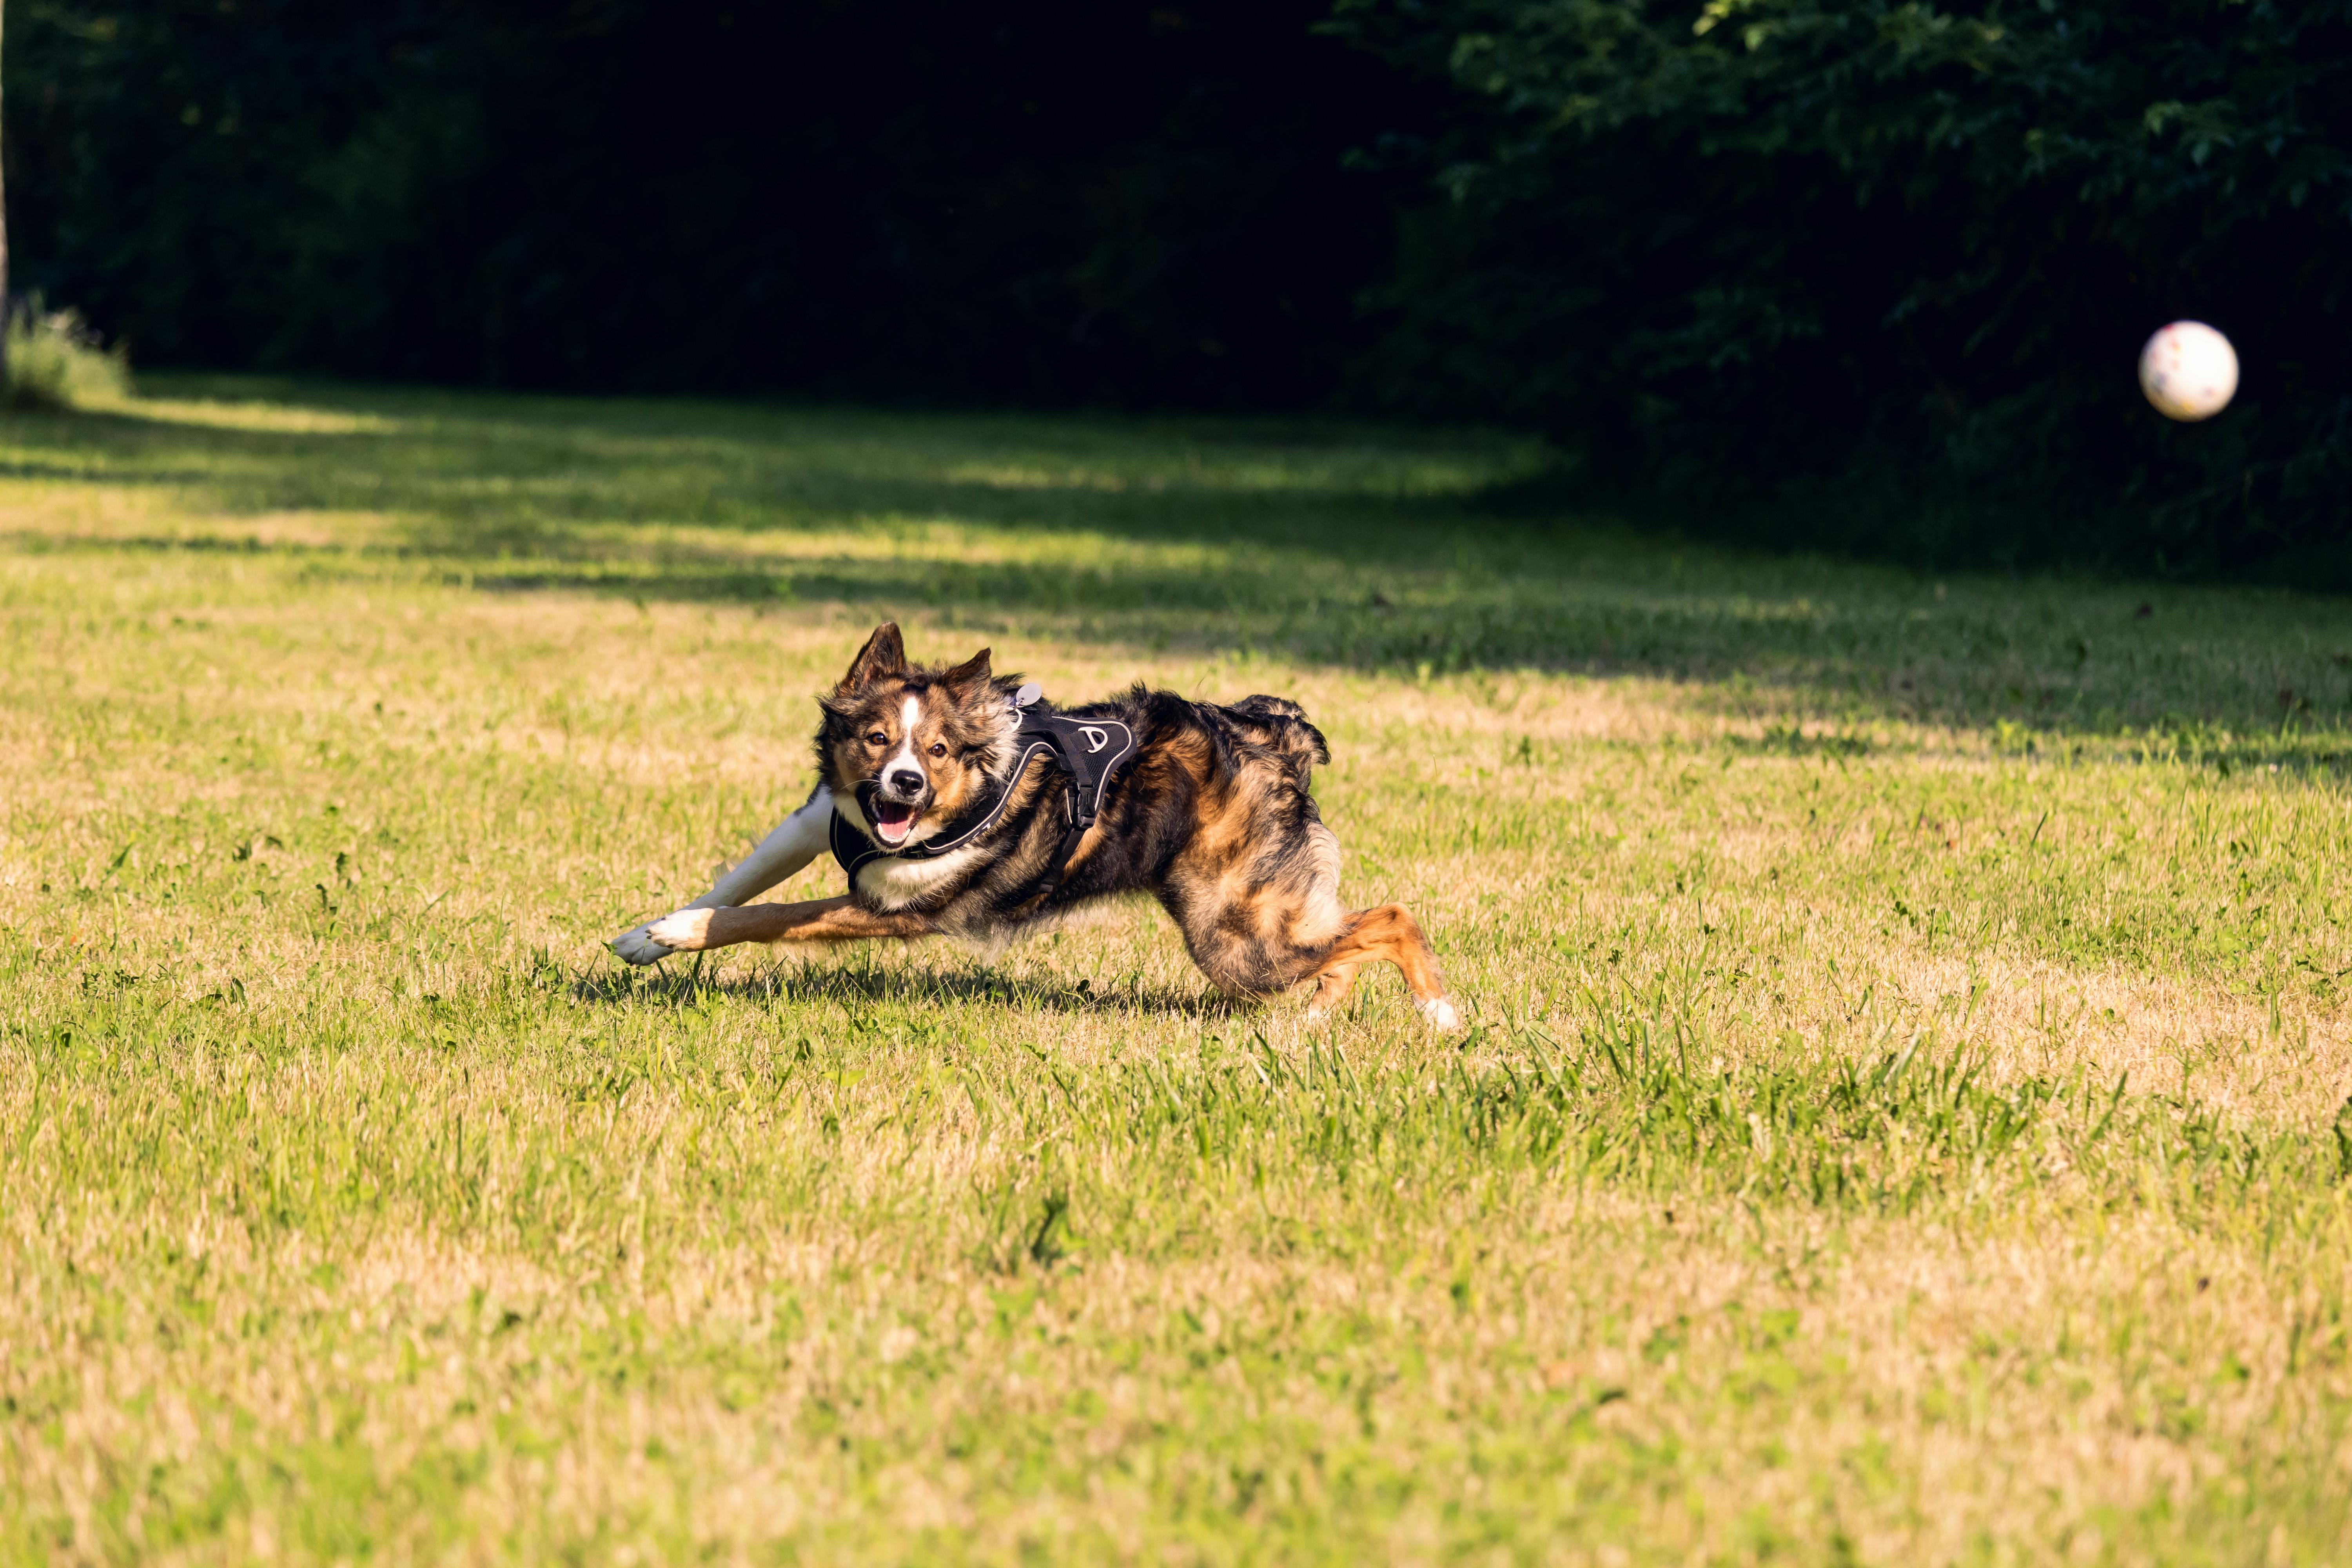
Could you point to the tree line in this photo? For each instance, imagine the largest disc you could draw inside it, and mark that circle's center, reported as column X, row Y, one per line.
column 1859, row 272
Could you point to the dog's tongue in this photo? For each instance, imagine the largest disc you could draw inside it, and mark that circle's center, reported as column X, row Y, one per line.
column 893, row 823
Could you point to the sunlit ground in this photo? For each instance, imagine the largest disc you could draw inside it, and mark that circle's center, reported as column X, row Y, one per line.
column 1900, row 1122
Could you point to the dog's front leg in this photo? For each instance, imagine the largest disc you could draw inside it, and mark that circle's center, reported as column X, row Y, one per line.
column 797, row 840
column 821, row 920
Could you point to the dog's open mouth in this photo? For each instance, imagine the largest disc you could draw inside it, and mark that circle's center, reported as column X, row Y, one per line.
column 892, row 820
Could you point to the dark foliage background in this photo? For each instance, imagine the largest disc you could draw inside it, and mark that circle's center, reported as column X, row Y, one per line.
column 1067, row 201
column 1892, row 263
column 1847, row 271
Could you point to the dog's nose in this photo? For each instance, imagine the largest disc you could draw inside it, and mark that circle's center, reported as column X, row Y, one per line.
column 906, row 781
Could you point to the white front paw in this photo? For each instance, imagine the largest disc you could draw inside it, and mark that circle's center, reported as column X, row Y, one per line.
column 640, row 946
column 687, row 931
column 1440, row 1015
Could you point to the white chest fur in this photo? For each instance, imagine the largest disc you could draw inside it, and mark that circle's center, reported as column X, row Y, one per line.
column 895, row 884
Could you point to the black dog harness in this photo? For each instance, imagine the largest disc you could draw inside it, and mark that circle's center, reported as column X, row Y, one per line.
column 1088, row 750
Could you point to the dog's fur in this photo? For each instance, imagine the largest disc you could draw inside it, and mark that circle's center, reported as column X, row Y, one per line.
column 1211, row 816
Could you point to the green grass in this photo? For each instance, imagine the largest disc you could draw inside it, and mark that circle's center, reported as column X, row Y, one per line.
column 1900, row 1122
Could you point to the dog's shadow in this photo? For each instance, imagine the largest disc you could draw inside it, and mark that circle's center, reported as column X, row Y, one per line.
column 679, row 984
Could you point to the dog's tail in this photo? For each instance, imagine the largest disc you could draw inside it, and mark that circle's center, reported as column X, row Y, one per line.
column 1280, row 726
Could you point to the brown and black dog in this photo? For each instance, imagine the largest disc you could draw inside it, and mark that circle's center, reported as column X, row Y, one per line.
column 955, row 819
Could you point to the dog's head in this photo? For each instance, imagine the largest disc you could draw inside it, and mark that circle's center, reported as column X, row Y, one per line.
column 911, row 746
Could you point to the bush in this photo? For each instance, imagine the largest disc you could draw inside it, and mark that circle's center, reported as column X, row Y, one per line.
column 1888, row 263
column 56, row 361
column 1073, row 201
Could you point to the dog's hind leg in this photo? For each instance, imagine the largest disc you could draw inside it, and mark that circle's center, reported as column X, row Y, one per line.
column 797, row 840
column 1286, row 926
column 820, row 920
column 1389, row 935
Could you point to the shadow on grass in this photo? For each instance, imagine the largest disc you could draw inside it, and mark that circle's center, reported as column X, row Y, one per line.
column 1413, row 553
column 675, row 983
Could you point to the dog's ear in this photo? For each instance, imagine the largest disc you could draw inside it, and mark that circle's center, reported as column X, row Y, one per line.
column 884, row 654
column 971, row 674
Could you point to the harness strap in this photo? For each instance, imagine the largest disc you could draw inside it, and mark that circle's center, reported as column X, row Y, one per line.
column 1089, row 750
column 855, row 850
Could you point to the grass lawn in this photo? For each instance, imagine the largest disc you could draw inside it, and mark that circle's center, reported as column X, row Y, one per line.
column 1899, row 1122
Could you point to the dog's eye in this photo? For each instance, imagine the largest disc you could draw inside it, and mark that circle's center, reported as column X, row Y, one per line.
column 937, row 750
column 877, row 738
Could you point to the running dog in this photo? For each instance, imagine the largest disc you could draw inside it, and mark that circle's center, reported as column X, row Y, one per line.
column 962, row 805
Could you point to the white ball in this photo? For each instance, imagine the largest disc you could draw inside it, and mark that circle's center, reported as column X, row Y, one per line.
column 2188, row 370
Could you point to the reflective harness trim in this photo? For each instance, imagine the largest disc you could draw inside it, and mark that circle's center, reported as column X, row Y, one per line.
column 1089, row 750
